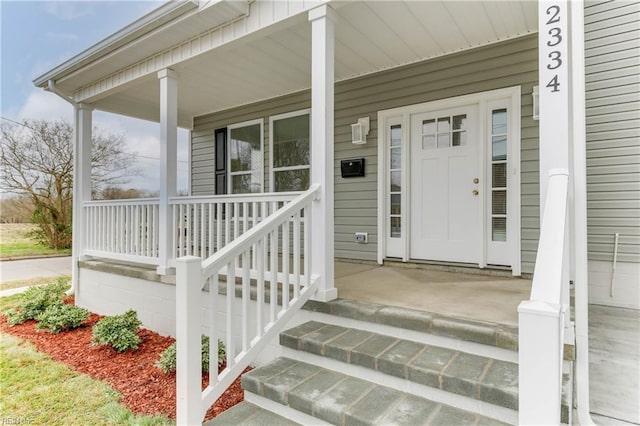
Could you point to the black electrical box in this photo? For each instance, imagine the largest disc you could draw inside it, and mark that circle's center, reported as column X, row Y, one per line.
column 352, row 168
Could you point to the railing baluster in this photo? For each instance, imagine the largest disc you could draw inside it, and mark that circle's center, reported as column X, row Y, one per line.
column 147, row 230
column 273, row 302
column 231, row 293
column 246, row 296
column 307, row 246
column 203, row 232
column 296, row 255
column 227, row 223
column 214, row 285
column 236, row 220
column 211, row 222
column 260, row 257
column 181, row 231
column 245, row 217
column 190, row 233
column 285, row 266
column 218, row 226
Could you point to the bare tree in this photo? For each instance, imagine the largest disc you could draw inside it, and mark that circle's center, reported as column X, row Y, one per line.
column 36, row 159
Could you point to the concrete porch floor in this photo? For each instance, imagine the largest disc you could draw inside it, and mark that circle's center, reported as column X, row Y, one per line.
column 480, row 297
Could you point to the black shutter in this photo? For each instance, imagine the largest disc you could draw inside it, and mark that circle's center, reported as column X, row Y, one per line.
column 221, row 161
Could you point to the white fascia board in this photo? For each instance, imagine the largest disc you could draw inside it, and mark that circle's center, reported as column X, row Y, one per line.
column 145, row 24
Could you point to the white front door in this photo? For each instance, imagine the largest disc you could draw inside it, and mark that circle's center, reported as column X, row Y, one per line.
column 446, row 207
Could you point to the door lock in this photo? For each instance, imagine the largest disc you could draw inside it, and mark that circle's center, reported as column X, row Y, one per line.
column 476, row 180
column 475, row 192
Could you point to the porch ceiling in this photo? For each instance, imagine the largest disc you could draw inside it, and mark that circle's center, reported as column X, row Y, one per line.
column 370, row 36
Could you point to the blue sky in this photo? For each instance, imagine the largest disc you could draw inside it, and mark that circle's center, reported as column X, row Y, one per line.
column 39, row 35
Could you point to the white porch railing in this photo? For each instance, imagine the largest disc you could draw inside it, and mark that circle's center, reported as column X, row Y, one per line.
column 542, row 317
column 203, row 225
column 130, row 229
column 122, row 229
column 276, row 252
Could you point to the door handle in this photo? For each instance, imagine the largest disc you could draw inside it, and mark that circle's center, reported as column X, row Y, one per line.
column 475, row 192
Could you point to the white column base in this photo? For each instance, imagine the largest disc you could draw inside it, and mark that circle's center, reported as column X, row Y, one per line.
column 325, row 295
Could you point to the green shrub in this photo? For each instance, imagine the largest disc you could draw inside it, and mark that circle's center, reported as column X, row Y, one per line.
column 35, row 301
column 167, row 362
column 60, row 317
column 118, row 331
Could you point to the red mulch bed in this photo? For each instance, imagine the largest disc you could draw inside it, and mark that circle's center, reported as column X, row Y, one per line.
column 145, row 389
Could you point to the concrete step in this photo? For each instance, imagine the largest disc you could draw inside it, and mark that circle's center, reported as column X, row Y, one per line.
column 340, row 399
column 481, row 378
column 486, row 333
column 501, row 336
column 247, row 414
column 473, row 376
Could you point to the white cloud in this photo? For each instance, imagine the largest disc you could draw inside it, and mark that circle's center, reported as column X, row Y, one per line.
column 41, row 105
column 67, row 10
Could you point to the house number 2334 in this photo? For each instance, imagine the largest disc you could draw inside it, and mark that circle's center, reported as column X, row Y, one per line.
column 554, row 44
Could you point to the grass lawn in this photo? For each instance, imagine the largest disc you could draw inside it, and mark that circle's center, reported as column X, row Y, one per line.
column 14, row 242
column 38, row 390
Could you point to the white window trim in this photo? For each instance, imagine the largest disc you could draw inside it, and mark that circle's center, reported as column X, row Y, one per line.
column 259, row 121
column 385, row 118
column 271, row 167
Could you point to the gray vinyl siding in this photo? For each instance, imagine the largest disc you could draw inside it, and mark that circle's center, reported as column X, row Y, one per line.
column 500, row 65
column 612, row 55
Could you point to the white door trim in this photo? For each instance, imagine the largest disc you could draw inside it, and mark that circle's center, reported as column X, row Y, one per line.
column 403, row 114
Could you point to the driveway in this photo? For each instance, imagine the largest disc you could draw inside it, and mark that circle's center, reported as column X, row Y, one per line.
column 18, row 270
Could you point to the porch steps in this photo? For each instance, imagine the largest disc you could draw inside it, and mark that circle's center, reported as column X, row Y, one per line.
column 358, row 363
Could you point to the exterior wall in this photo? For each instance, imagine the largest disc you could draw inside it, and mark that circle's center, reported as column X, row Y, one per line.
column 612, row 39
column 496, row 66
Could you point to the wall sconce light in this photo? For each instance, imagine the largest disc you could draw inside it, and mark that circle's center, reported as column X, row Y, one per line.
column 536, row 103
column 359, row 131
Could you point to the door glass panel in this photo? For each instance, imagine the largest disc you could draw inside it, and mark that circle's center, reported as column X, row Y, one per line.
column 396, row 135
column 429, row 127
column 499, row 122
column 395, row 204
column 395, row 182
column 499, row 202
column 499, row 147
column 395, row 158
column 395, row 174
column 443, row 140
column 459, row 138
column 395, row 227
column 428, row 142
column 443, row 124
column 499, row 178
column 460, row 122
column 499, row 229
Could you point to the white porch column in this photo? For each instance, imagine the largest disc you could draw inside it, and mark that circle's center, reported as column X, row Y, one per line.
column 322, row 124
column 168, row 154
column 554, row 94
column 554, row 83
column 81, row 184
